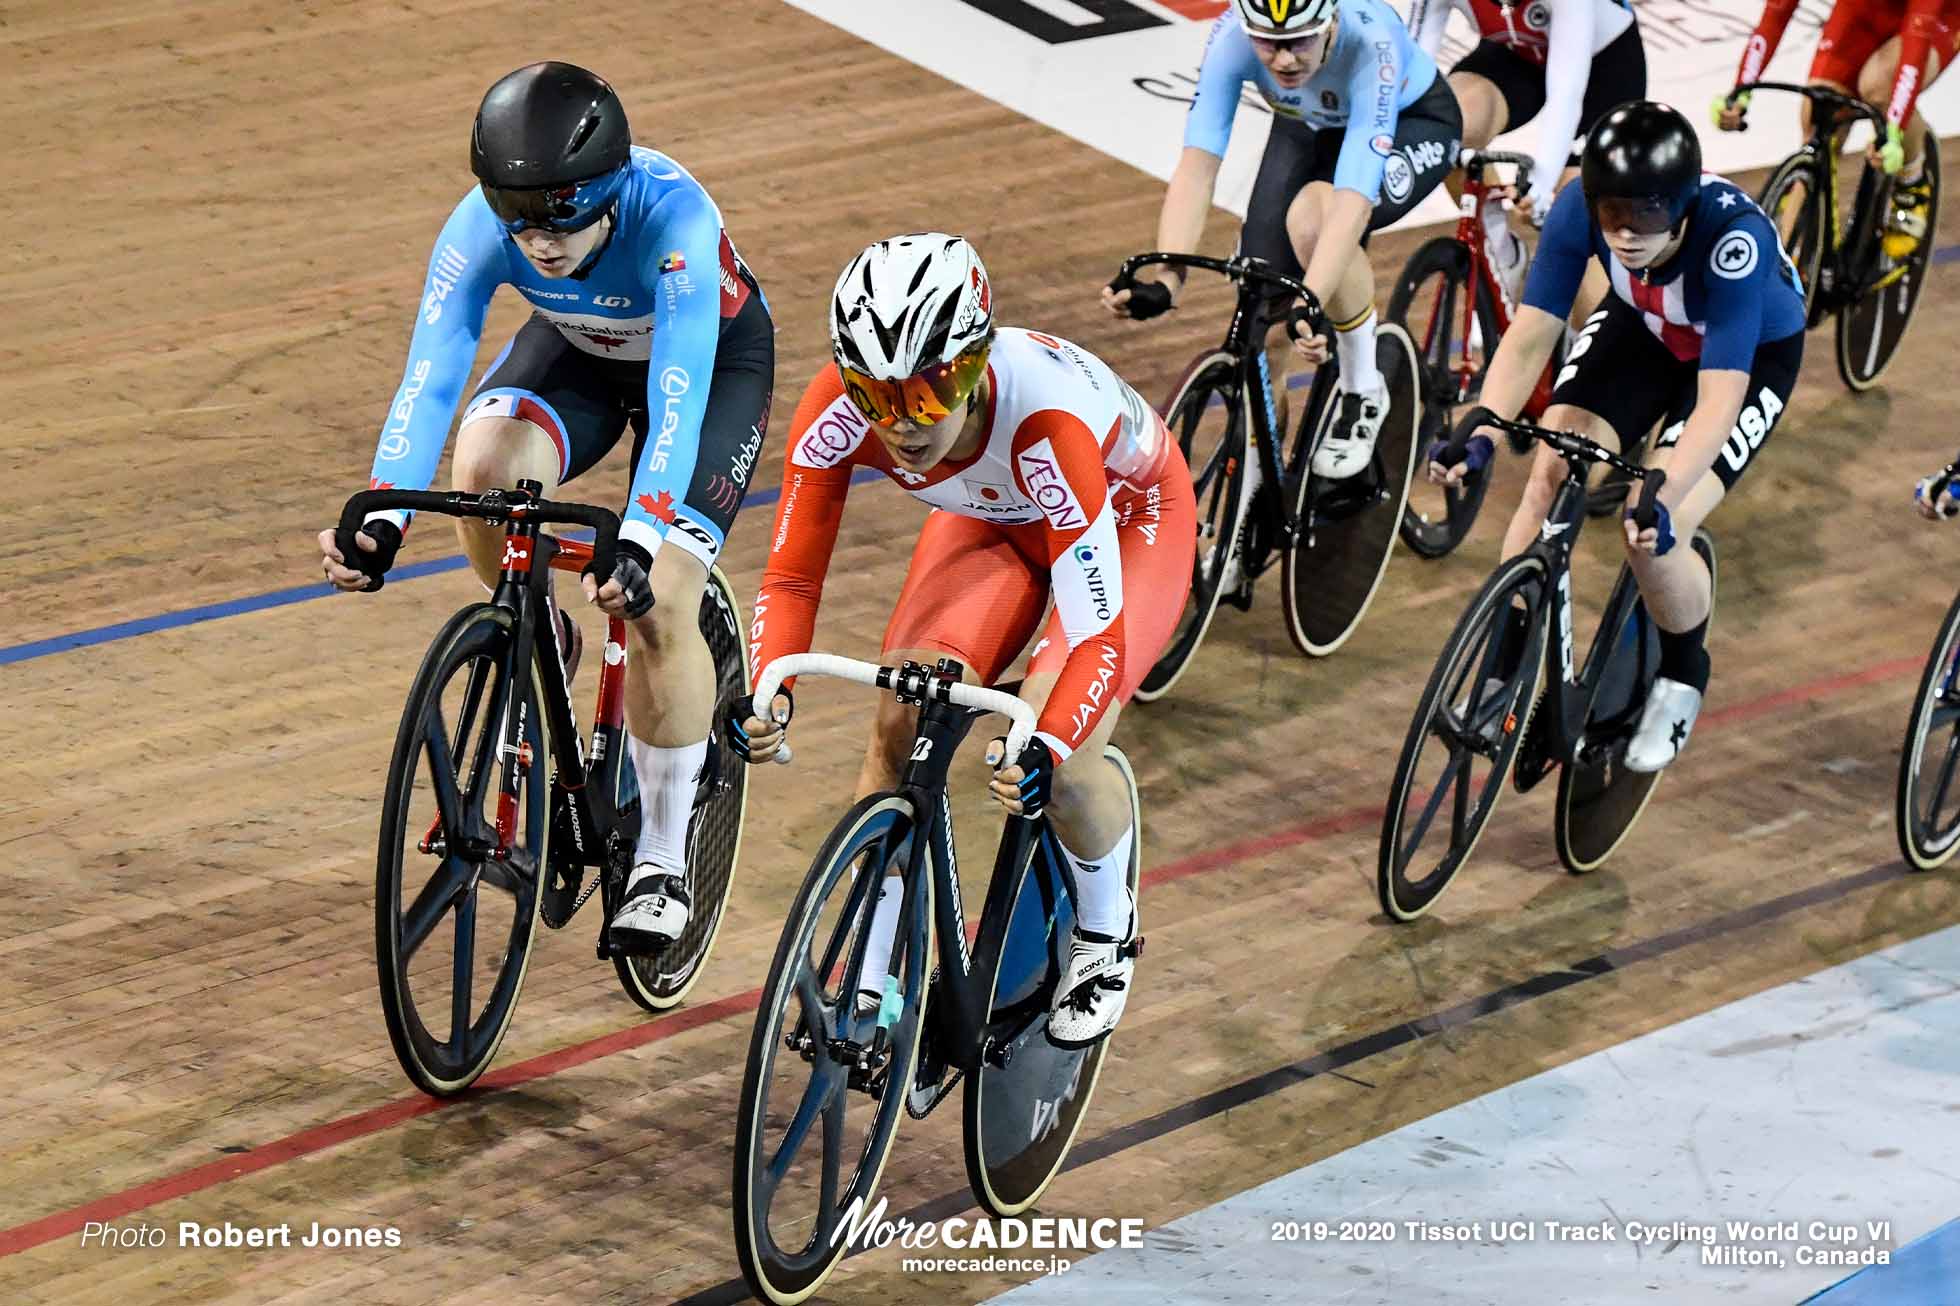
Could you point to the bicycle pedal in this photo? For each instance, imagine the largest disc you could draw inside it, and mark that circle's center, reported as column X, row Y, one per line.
column 1240, row 598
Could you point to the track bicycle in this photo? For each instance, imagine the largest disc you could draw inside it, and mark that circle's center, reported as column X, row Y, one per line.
column 1449, row 300
column 1844, row 269
column 826, row 1076
column 495, row 809
column 1483, row 710
column 1927, row 812
column 1334, row 536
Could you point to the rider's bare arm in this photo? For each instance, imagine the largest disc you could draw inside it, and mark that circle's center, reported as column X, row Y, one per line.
column 1521, row 357
column 1187, row 203
column 1719, row 396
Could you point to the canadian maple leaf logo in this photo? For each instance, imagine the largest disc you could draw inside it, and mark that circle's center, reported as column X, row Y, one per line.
column 661, row 509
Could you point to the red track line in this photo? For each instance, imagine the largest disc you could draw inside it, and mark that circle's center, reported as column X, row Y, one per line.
column 22, row 1237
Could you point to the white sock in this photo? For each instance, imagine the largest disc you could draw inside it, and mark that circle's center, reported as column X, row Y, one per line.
column 1102, row 903
column 884, row 930
column 1356, row 349
column 1505, row 247
column 667, row 778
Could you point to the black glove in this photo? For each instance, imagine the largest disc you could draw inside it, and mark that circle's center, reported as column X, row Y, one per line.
column 387, row 538
column 1148, row 299
column 737, row 711
column 1037, row 774
column 631, row 563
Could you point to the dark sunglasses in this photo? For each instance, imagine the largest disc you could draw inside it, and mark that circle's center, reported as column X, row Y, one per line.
column 1647, row 215
column 562, row 209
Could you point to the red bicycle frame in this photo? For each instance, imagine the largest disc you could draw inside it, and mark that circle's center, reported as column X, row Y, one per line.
column 520, row 544
column 1483, row 281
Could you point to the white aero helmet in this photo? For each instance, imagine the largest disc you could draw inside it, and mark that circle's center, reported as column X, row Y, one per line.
column 911, row 322
column 1284, row 20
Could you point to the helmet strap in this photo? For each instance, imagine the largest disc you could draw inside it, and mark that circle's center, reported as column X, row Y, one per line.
column 605, row 240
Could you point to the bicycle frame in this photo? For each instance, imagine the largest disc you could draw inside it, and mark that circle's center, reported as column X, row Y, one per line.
column 1570, row 689
column 1244, row 340
column 1847, row 259
column 1483, row 279
column 957, row 1012
column 521, row 590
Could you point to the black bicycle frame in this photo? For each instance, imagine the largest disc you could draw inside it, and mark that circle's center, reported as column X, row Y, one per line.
column 1570, row 689
column 1254, row 278
column 960, row 1005
column 522, row 589
column 1848, row 259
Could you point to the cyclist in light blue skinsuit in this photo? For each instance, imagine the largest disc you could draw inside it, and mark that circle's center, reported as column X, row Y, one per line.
column 643, row 316
column 1363, row 128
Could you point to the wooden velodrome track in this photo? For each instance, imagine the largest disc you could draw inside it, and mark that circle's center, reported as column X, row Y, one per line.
column 215, row 246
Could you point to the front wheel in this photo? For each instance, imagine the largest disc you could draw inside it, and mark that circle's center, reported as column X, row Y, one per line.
column 1434, row 299
column 464, row 827
column 1928, row 817
column 1025, row 1104
column 1871, row 327
column 1599, row 799
column 1348, row 527
column 1472, row 709
column 1794, row 201
column 661, row 979
column 825, row 1083
column 1206, row 415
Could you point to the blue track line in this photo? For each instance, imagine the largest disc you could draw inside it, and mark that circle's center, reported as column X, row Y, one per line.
column 275, row 599
column 41, row 648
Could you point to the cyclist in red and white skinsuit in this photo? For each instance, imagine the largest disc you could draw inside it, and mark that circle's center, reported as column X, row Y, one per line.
column 1049, row 475
column 1886, row 52
column 1563, row 63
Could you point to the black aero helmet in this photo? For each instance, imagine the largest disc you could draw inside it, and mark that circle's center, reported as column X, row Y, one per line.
column 550, row 147
column 1645, row 155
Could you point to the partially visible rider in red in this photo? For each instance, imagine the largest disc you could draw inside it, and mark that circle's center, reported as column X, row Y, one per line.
column 1885, row 52
column 1048, row 475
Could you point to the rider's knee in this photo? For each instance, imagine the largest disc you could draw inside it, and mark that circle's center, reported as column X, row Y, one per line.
column 1547, row 469
column 1304, row 215
column 1481, row 106
column 1875, row 79
column 671, row 624
column 892, row 734
column 497, row 452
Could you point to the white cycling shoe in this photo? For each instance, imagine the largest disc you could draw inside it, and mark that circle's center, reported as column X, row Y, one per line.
column 1665, row 724
column 1094, row 987
column 1350, row 442
column 655, row 910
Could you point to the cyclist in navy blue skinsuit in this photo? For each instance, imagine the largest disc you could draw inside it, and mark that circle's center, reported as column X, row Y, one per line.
column 643, row 316
column 1703, row 332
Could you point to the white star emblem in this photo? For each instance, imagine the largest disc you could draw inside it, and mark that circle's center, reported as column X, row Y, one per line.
column 1727, row 200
